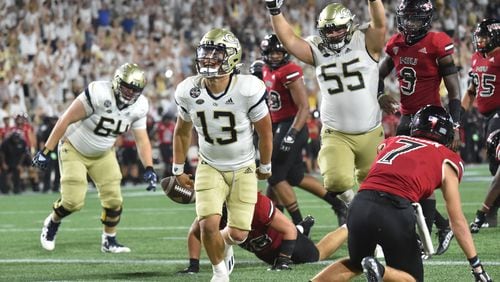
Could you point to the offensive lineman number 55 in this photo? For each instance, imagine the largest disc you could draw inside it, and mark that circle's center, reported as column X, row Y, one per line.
column 346, row 73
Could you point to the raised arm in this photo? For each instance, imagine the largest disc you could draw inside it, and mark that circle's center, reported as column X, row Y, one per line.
column 293, row 43
column 375, row 35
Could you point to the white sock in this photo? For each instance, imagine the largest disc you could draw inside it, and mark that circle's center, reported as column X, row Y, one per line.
column 109, row 234
column 220, row 269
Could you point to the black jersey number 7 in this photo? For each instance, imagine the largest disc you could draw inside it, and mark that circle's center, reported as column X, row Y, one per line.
column 408, row 146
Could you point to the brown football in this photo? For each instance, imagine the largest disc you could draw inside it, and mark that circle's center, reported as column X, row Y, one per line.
column 176, row 192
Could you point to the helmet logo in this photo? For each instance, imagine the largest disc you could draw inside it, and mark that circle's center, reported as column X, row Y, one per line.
column 344, row 14
column 231, row 38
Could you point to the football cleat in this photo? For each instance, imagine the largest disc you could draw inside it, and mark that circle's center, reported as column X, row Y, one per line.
column 229, row 259
column 219, row 277
column 444, row 237
column 372, row 269
column 110, row 245
column 189, row 270
column 49, row 231
column 305, row 225
column 379, row 252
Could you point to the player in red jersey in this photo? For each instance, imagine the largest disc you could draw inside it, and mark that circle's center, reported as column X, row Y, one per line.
column 274, row 239
column 484, row 89
column 422, row 58
column 407, row 169
column 289, row 110
column 164, row 133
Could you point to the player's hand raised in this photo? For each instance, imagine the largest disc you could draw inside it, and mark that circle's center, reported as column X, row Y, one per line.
column 274, row 6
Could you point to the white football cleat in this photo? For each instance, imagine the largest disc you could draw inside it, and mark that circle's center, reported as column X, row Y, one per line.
column 110, row 245
column 48, row 235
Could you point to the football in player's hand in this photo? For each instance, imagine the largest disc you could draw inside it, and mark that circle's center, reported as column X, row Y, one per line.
column 176, row 192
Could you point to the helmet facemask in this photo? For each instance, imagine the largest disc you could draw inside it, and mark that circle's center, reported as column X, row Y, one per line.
column 335, row 26
column 210, row 60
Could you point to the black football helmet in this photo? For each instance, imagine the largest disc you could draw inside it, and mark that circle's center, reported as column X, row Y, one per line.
column 434, row 123
column 256, row 68
column 414, row 19
column 270, row 44
column 486, row 36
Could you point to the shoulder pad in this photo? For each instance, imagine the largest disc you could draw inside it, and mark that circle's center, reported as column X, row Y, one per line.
column 253, row 85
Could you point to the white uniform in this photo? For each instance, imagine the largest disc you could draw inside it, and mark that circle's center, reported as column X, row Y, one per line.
column 348, row 82
column 224, row 122
column 96, row 134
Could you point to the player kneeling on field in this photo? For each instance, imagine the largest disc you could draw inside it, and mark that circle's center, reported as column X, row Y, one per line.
column 274, row 239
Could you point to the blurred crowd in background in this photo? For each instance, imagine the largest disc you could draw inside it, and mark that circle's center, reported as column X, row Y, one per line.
column 51, row 49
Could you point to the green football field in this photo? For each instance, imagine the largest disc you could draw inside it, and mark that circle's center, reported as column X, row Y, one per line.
column 155, row 229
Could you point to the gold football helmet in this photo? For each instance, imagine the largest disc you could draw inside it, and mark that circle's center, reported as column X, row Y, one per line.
column 128, row 82
column 335, row 18
column 218, row 54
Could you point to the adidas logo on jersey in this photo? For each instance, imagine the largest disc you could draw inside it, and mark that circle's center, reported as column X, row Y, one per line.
column 248, row 170
column 230, row 101
column 423, row 50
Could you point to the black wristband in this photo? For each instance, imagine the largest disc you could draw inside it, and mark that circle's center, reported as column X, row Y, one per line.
column 287, row 247
column 474, row 261
column 372, row 0
column 150, row 168
column 275, row 12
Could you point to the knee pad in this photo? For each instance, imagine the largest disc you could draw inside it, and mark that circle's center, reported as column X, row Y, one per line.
column 111, row 217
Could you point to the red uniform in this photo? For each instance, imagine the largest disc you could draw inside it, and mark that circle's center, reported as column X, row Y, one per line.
column 402, row 168
column 263, row 240
column 280, row 100
column 486, row 75
column 417, row 68
column 165, row 132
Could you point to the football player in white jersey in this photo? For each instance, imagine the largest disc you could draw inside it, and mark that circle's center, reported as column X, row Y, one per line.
column 345, row 57
column 224, row 108
column 86, row 133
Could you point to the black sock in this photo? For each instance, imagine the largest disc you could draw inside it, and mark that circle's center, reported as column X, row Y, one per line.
column 428, row 209
column 294, row 211
column 330, row 198
column 280, row 207
column 440, row 221
column 194, row 263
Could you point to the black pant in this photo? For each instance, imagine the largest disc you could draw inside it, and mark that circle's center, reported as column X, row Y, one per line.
column 387, row 220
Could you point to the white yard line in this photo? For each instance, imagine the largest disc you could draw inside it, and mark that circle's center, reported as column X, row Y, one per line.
column 203, row 261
